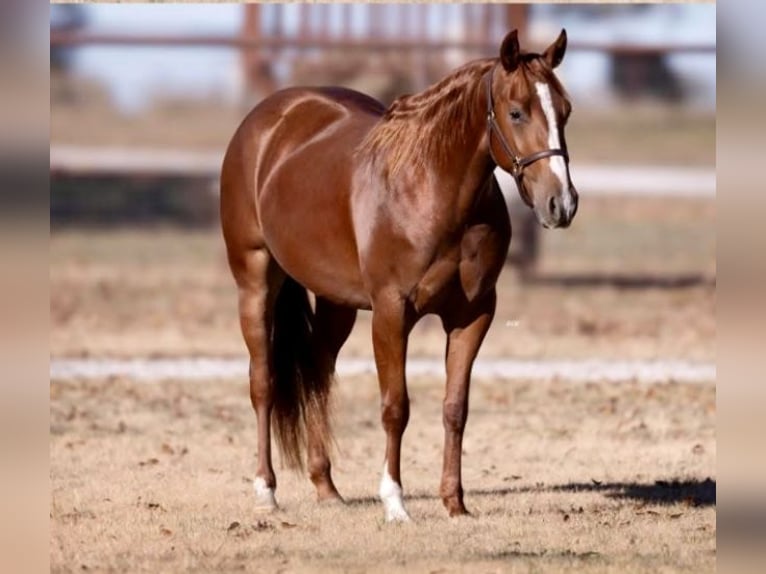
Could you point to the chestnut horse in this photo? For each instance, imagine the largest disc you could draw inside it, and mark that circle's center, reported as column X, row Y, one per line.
column 393, row 210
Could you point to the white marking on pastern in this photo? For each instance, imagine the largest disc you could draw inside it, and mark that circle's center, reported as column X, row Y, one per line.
column 391, row 495
column 264, row 495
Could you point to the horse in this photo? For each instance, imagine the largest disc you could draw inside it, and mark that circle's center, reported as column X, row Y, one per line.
column 394, row 210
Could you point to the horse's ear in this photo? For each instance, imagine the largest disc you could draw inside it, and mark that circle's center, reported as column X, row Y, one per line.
column 555, row 52
column 509, row 51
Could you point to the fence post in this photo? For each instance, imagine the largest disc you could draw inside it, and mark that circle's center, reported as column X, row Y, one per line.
column 517, row 16
column 256, row 69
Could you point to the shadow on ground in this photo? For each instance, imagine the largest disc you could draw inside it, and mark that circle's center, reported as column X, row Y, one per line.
column 623, row 281
column 692, row 492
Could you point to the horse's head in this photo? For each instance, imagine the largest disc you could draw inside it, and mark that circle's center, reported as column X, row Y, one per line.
column 527, row 110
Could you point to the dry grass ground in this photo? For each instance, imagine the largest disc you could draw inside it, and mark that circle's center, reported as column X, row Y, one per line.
column 629, row 279
column 560, row 476
column 593, row 478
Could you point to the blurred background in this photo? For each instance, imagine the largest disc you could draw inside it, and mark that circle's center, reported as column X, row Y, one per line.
column 128, row 81
column 144, row 99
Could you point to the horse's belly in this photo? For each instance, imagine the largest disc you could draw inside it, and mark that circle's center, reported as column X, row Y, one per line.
column 322, row 272
column 307, row 226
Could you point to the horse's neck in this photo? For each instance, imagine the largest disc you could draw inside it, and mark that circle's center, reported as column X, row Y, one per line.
column 435, row 143
column 463, row 165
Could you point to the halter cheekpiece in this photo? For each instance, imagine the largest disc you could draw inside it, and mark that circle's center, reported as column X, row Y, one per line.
column 518, row 162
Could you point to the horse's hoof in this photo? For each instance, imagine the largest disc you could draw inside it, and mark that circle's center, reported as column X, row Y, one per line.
column 460, row 513
column 261, row 508
column 397, row 515
column 454, row 505
column 331, row 500
column 265, row 504
column 264, row 496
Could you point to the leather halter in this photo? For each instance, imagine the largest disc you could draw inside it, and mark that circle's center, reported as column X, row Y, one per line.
column 519, row 162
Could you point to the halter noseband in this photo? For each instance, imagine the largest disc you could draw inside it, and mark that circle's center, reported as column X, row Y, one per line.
column 519, row 163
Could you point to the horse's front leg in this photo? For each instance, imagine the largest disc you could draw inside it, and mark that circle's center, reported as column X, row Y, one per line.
column 465, row 329
column 390, row 327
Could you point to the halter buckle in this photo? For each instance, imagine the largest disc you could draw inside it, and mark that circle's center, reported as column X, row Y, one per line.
column 517, row 166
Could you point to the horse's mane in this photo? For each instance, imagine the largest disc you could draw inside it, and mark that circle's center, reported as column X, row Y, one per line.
column 420, row 126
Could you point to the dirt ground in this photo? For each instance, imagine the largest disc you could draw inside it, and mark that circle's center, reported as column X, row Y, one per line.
column 631, row 279
column 558, row 476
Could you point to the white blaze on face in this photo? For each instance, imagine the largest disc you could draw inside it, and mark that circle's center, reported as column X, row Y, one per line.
column 557, row 163
column 391, row 495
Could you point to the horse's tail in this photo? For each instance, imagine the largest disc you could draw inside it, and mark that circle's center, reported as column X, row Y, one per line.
column 301, row 382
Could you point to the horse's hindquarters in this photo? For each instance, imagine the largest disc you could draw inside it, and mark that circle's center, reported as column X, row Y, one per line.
column 303, row 197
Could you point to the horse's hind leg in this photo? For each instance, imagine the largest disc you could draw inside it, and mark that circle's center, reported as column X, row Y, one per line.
column 259, row 280
column 332, row 326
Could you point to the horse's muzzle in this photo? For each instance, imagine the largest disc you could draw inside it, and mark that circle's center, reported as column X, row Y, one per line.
column 559, row 211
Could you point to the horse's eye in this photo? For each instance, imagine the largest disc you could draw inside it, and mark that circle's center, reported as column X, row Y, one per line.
column 515, row 115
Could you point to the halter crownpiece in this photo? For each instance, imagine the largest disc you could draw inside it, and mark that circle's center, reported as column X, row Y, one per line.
column 518, row 162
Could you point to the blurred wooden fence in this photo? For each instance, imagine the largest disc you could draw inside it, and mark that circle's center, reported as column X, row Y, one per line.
column 272, row 34
column 414, row 35
column 592, row 180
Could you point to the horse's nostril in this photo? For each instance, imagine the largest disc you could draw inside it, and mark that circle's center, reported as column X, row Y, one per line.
column 552, row 207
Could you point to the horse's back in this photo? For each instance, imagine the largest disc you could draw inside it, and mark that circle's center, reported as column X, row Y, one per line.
column 295, row 117
column 286, row 184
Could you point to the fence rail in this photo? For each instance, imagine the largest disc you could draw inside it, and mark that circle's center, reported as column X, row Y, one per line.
column 591, row 180
column 71, row 39
column 86, row 161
